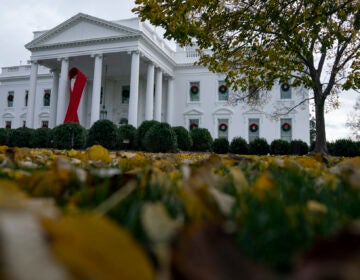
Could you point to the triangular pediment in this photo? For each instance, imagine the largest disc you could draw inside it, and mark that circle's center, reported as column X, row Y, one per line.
column 80, row 29
column 194, row 112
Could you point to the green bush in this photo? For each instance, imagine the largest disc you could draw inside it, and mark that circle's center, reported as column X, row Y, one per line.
column 4, row 136
column 345, row 148
column 20, row 137
column 299, row 147
column 202, row 140
column 126, row 137
column 220, row 145
column 141, row 132
column 259, row 147
column 280, row 147
column 160, row 138
column 69, row 136
column 104, row 133
column 183, row 137
column 239, row 146
column 41, row 138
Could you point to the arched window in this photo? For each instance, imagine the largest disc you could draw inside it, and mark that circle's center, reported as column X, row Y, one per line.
column 46, row 99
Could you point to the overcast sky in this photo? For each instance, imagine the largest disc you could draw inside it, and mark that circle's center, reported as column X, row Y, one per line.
column 19, row 18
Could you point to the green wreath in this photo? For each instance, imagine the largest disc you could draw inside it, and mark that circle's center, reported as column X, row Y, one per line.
column 223, row 88
column 253, row 127
column 223, row 127
column 194, row 89
column 285, row 86
column 286, row 127
column 193, row 125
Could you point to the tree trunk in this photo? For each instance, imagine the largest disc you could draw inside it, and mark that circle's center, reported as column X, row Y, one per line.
column 320, row 143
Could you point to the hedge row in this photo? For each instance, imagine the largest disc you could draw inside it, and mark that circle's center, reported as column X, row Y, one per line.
column 260, row 147
column 154, row 136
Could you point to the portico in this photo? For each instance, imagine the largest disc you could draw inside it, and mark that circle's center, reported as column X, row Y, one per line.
column 124, row 70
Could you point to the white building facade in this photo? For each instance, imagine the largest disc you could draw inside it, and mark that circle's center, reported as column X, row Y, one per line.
column 132, row 76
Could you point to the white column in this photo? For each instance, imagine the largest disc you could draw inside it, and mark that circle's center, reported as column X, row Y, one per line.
column 134, row 89
column 158, row 94
column 95, row 100
column 170, row 101
column 63, row 91
column 32, row 95
column 53, row 98
column 149, row 101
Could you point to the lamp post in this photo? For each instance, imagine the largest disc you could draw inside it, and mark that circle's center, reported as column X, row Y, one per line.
column 103, row 113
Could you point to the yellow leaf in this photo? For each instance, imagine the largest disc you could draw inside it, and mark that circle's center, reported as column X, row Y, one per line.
column 263, row 184
column 98, row 153
column 316, row 207
column 10, row 195
column 93, row 247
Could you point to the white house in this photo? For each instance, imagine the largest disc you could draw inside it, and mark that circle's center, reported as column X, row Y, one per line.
column 132, row 76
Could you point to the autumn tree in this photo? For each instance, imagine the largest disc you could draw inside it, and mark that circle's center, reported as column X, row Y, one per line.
column 311, row 43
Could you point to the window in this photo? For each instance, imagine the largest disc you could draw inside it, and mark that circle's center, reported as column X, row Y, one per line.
column 223, row 128
column 44, row 123
column 285, row 90
column 223, row 91
column 125, row 94
column 193, row 123
column 253, row 129
column 254, row 93
column 286, row 129
column 10, row 99
column 194, row 91
column 7, row 124
column 24, row 124
column 46, row 97
column 26, row 98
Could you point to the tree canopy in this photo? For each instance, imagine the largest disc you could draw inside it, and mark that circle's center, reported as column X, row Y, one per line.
column 313, row 43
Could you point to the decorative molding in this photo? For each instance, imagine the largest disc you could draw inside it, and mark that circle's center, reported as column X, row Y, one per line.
column 194, row 112
column 34, row 44
column 223, row 111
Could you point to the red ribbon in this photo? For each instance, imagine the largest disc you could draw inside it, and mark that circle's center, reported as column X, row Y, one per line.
column 75, row 95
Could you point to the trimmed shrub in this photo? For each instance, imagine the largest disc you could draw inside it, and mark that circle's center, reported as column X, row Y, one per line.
column 160, row 138
column 20, row 137
column 104, row 133
column 69, row 136
column 239, row 146
column 345, row 148
column 299, row 147
column 202, row 140
column 280, row 147
column 331, row 147
column 4, row 136
column 41, row 138
column 220, row 145
column 183, row 137
column 141, row 132
column 126, row 137
column 259, row 147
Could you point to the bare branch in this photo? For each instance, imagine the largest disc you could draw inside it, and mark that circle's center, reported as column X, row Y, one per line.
column 290, row 109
